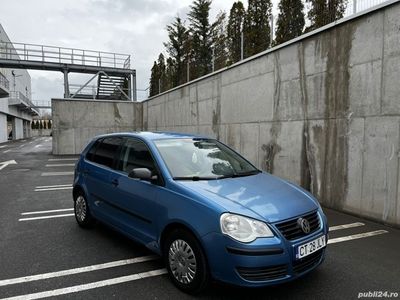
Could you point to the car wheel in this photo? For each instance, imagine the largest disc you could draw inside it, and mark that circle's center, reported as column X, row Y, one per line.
column 82, row 212
column 186, row 262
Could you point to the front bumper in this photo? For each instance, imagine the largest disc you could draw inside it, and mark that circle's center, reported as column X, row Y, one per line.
column 264, row 262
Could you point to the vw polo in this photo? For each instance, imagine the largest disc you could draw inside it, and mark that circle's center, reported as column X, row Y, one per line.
column 207, row 210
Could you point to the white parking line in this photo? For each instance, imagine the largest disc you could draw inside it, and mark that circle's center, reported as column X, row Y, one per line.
column 60, row 165
column 7, row 151
column 45, row 211
column 57, row 173
column 62, row 159
column 89, row 286
column 91, row 268
column 45, row 217
column 356, row 236
column 53, row 186
column 345, row 226
column 3, row 146
column 54, row 189
column 37, row 146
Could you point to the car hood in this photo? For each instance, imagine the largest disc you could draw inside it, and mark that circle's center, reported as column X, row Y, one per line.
column 264, row 195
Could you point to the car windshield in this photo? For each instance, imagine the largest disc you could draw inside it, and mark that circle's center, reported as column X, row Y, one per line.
column 202, row 159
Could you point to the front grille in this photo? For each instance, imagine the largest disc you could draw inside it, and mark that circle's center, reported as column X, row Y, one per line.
column 291, row 230
column 263, row 273
column 306, row 263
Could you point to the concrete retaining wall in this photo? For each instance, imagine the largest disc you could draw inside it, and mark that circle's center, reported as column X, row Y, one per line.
column 76, row 122
column 323, row 112
column 41, row 132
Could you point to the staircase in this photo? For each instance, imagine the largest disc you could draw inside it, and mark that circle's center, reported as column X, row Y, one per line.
column 107, row 90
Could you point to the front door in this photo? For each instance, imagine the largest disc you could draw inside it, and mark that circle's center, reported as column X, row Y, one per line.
column 136, row 199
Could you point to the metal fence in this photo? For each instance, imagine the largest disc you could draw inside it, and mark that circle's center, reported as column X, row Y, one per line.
column 51, row 54
column 4, row 82
column 19, row 98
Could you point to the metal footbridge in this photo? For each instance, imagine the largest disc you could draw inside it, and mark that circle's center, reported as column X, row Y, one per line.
column 115, row 79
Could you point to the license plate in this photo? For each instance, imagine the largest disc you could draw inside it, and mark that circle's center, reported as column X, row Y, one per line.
column 310, row 247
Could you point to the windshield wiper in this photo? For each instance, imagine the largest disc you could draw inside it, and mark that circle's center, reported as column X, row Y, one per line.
column 254, row 172
column 195, row 178
column 234, row 175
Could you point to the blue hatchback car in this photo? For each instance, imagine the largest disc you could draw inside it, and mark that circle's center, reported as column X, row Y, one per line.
column 208, row 211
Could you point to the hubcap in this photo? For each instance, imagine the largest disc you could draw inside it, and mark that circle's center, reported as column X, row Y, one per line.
column 182, row 261
column 80, row 208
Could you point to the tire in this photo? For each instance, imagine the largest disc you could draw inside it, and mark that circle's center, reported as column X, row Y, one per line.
column 185, row 261
column 82, row 212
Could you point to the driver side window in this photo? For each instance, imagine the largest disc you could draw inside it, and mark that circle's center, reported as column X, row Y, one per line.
column 135, row 154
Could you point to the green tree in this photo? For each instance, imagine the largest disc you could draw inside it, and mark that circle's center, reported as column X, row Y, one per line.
column 154, row 80
column 176, row 47
column 162, row 73
column 290, row 22
column 323, row 12
column 234, row 31
column 201, row 37
column 257, row 29
column 219, row 41
column 170, row 74
column 158, row 82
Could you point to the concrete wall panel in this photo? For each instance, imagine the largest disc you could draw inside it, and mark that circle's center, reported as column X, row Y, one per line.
column 322, row 111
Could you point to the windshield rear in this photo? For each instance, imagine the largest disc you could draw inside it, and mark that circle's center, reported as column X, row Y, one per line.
column 198, row 159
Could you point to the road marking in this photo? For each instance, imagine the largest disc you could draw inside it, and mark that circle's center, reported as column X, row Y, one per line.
column 3, row 146
column 345, row 226
column 356, row 236
column 37, row 146
column 7, row 151
column 53, row 186
column 45, row 211
column 61, row 159
column 61, row 165
column 54, row 189
column 46, row 217
column 6, row 163
column 90, row 286
column 57, row 173
column 91, row 268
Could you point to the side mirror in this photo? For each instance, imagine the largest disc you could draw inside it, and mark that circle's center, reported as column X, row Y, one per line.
column 142, row 174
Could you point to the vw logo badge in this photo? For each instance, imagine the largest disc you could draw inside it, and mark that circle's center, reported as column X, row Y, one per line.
column 304, row 225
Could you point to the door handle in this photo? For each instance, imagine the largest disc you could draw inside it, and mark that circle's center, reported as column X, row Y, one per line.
column 115, row 182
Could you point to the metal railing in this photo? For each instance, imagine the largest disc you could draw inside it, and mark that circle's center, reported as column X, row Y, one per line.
column 17, row 98
column 52, row 54
column 4, row 82
column 355, row 6
column 41, row 103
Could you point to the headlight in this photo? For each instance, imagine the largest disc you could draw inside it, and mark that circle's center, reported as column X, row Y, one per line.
column 243, row 229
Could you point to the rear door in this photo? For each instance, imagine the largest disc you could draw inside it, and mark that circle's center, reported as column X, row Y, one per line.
column 135, row 199
column 100, row 161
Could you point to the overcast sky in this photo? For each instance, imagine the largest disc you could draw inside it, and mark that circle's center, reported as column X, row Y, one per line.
column 135, row 27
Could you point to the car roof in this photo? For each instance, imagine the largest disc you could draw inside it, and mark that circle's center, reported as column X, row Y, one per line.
column 155, row 135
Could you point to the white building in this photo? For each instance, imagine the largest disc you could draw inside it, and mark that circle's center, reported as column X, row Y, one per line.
column 15, row 98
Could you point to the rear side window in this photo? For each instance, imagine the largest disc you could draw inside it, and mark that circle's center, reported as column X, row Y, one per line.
column 92, row 151
column 105, row 151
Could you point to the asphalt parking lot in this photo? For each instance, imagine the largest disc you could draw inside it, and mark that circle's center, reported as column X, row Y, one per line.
column 43, row 252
